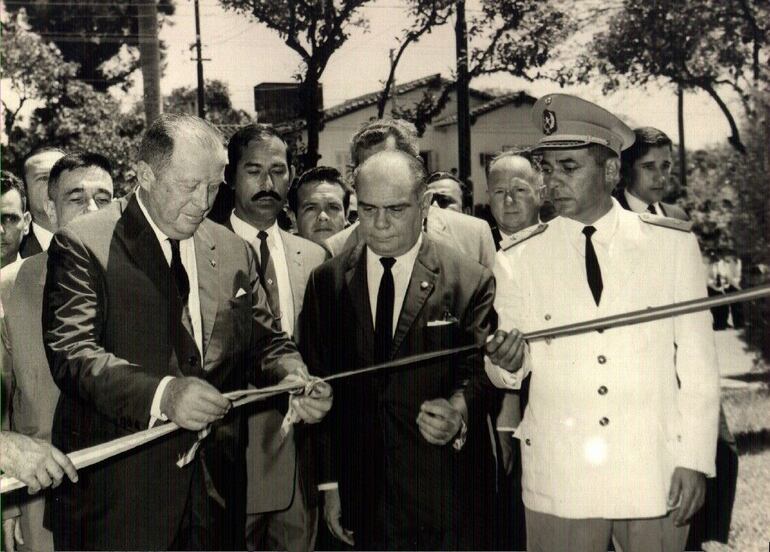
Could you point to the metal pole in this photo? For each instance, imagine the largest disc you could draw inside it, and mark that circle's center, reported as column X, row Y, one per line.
column 199, row 55
column 463, row 100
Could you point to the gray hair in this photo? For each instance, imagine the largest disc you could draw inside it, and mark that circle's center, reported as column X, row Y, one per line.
column 537, row 176
column 158, row 141
column 377, row 131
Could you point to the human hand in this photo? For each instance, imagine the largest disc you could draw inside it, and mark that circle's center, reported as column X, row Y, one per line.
column 438, row 421
column 192, row 403
column 333, row 514
column 34, row 462
column 686, row 494
column 12, row 534
column 506, row 350
column 310, row 407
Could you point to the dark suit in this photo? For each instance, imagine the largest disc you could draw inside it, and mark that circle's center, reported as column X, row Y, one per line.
column 112, row 330
column 397, row 490
column 712, row 522
column 30, row 245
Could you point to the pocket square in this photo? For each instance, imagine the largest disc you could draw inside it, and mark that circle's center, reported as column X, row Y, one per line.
column 240, row 293
column 435, row 323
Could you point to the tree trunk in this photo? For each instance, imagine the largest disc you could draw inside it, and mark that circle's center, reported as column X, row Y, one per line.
column 309, row 98
column 149, row 55
column 463, row 100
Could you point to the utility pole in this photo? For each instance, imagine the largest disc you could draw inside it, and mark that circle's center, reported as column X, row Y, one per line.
column 463, row 100
column 200, row 60
column 682, row 151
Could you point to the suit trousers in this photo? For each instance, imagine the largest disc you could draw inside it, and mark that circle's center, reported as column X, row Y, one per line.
column 548, row 533
column 293, row 529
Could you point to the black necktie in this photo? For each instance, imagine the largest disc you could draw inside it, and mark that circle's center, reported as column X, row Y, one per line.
column 593, row 271
column 178, row 271
column 651, row 209
column 383, row 325
column 269, row 278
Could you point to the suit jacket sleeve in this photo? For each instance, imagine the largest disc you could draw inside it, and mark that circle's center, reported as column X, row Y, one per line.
column 73, row 306
column 696, row 367
column 313, row 344
column 487, row 247
column 480, row 321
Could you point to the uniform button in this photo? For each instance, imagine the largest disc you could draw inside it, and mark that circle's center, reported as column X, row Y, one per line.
column 527, row 442
column 547, row 340
column 602, row 390
column 600, row 330
column 604, row 421
column 602, row 359
column 547, row 316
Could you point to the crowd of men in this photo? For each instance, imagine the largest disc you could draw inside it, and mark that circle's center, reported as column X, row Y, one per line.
column 224, row 270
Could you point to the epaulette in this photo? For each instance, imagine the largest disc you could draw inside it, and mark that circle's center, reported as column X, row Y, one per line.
column 524, row 235
column 666, row 222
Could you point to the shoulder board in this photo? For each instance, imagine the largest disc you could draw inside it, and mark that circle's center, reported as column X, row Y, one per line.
column 666, row 222
column 524, row 235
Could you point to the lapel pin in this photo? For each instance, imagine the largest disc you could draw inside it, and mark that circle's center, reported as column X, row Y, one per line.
column 213, row 262
column 269, row 281
column 423, row 285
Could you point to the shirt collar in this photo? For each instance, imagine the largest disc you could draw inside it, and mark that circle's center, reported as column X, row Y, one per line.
column 405, row 260
column 605, row 226
column 636, row 204
column 158, row 232
column 249, row 232
column 43, row 236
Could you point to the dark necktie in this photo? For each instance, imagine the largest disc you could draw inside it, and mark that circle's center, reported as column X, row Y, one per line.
column 383, row 325
column 651, row 209
column 269, row 278
column 178, row 271
column 593, row 271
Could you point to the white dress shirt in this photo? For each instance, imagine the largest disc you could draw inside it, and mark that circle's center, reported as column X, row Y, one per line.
column 43, row 236
column 278, row 254
column 187, row 253
column 639, row 206
column 402, row 272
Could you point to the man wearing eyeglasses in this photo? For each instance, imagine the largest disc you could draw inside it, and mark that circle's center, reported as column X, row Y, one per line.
column 448, row 191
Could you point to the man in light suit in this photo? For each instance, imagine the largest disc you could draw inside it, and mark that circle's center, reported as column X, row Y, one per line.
column 620, row 430
column 645, row 169
column 468, row 235
column 281, row 503
column 35, row 171
column 151, row 312
column 78, row 184
column 404, row 463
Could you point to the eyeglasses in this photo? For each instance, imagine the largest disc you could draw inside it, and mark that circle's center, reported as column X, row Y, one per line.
column 443, row 201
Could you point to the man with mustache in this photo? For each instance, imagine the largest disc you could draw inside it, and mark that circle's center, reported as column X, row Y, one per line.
column 319, row 200
column 281, row 512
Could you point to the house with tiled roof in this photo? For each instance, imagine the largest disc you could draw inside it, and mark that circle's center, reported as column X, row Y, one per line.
column 497, row 123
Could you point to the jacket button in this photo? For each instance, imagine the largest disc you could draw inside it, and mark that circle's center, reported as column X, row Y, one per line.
column 602, row 390
column 604, row 421
column 547, row 316
column 527, row 442
column 602, row 359
column 193, row 360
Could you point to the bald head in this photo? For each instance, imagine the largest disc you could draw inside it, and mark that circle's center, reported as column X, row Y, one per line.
column 515, row 192
column 386, row 160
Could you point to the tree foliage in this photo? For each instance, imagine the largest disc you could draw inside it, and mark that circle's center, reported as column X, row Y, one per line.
column 219, row 106
column 102, row 38
column 314, row 29
column 708, row 45
column 66, row 112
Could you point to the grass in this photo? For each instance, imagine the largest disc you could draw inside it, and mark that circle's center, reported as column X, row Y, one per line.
column 748, row 414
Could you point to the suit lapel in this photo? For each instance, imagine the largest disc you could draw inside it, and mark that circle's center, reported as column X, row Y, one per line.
column 356, row 282
column 296, row 268
column 207, row 262
column 421, row 285
column 436, row 228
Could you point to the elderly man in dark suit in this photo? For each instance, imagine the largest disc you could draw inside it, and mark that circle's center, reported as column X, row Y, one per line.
column 397, row 465
column 151, row 312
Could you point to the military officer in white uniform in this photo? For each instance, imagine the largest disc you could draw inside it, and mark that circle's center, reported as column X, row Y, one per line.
column 621, row 427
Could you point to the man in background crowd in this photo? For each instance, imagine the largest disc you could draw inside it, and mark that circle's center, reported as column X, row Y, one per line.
column 319, row 201
column 465, row 233
column 79, row 183
column 515, row 190
column 14, row 220
column 645, row 170
column 448, row 191
column 281, row 502
column 36, row 168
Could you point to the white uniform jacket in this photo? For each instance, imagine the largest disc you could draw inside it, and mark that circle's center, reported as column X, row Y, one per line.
column 611, row 414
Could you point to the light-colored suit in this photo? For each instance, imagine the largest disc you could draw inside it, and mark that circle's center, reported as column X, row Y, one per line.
column 271, row 460
column 607, row 422
column 469, row 235
column 35, row 394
